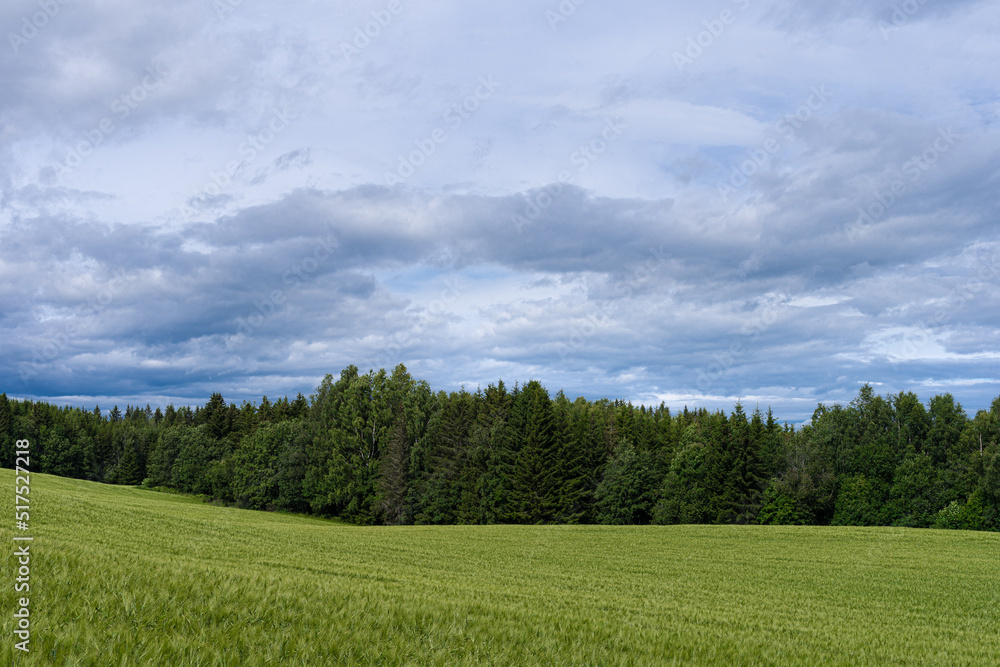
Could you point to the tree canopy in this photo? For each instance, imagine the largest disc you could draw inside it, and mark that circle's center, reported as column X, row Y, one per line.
column 383, row 448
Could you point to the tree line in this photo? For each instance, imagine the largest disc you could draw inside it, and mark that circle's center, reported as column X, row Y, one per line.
column 383, row 448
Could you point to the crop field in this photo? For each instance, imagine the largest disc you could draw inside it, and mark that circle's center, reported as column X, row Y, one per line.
column 123, row 576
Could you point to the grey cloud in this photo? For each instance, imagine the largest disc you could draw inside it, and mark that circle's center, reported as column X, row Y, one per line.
column 638, row 279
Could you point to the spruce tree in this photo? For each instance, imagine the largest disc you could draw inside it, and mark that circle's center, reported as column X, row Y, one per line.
column 5, row 416
column 6, row 433
column 216, row 416
column 720, row 462
column 570, row 465
column 441, row 461
column 130, row 469
column 493, row 453
column 535, row 496
column 747, row 439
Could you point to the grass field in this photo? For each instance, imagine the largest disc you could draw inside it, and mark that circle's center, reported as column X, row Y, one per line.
column 124, row 576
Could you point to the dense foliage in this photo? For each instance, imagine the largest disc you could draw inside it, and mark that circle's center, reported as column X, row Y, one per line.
column 383, row 448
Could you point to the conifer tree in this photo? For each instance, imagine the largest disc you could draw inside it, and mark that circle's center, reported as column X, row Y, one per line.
column 627, row 493
column 264, row 412
column 747, row 478
column 6, row 435
column 571, row 474
column 534, row 493
column 493, row 454
column 216, row 416
column 441, row 462
column 130, row 469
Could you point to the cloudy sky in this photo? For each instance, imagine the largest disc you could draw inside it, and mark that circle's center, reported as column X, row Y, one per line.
column 659, row 201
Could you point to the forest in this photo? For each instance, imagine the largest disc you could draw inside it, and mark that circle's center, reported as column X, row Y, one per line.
column 383, row 448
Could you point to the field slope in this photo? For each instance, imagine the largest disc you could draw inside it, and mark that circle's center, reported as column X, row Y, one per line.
column 128, row 576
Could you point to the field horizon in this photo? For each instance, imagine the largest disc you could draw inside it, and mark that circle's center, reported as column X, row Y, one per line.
column 125, row 575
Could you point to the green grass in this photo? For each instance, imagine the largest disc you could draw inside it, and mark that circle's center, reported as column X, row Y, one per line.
column 124, row 576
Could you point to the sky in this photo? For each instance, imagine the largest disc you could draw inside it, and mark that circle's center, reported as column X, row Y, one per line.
column 689, row 203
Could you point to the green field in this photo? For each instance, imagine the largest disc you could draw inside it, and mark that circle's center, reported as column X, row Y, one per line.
column 128, row 576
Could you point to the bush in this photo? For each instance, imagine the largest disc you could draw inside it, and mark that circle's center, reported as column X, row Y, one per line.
column 780, row 509
column 962, row 516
